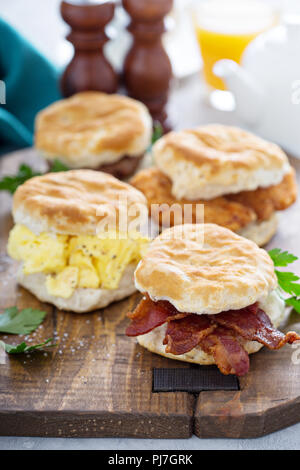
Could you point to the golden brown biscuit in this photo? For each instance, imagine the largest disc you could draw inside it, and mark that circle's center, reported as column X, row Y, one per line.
column 92, row 128
column 223, row 272
column 262, row 231
column 73, row 202
column 214, row 160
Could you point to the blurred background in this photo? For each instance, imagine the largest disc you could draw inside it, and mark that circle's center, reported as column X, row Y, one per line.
column 199, row 33
column 40, row 22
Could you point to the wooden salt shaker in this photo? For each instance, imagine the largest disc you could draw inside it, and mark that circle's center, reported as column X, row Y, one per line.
column 147, row 67
column 88, row 69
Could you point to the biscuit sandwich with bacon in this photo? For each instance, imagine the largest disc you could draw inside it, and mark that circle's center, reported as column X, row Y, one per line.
column 241, row 180
column 209, row 298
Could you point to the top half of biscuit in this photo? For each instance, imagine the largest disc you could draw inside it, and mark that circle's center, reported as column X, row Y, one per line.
column 92, row 128
column 205, row 269
column 77, row 202
column 213, row 160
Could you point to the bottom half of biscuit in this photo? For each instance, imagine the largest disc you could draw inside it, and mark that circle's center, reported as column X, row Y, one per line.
column 83, row 299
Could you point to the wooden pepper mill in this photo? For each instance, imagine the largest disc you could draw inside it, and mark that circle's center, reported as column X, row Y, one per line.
column 147, row 67
column 88, row 69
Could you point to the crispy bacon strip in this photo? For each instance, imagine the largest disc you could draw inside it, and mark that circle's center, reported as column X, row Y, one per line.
column 220, row 335
column 185, row 334
column 228, row 353
column 149, row 315
column 253, row 324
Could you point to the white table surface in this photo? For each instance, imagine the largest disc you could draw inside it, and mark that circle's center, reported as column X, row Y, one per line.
column 187, row 108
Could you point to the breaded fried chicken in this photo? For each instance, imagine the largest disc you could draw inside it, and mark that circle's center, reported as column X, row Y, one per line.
column 265, row 201
column 157, row 188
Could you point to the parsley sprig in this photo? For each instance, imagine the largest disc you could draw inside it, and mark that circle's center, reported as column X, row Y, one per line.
column 57, row 166
column 11, row 182
column 24, row 348
column 21, row 322
column 157, row 132
column 287, row 281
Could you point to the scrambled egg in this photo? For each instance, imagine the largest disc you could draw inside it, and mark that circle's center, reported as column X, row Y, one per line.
column 75, row 261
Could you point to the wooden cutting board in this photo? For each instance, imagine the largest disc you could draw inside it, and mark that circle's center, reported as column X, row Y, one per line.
column 99, row 383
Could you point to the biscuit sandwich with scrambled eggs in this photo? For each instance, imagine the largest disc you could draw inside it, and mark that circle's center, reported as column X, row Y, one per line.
column 241, row 179
column 74, row 254
column 95, row 130
column 209, row 298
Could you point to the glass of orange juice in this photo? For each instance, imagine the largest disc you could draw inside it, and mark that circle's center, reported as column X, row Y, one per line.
column 224, row 28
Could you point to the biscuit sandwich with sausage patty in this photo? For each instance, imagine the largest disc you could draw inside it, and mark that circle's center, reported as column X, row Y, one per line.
column 94, row 130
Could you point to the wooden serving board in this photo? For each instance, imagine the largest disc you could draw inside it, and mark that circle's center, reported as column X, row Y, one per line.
column 99, row 383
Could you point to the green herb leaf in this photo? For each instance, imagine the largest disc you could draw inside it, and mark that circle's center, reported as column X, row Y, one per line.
column 293, row 302
column 281, row 258
column 10, row 183
column 287, row 283
column 57, row 166
column 20, row 323
column 157, row 132
column 24, row 348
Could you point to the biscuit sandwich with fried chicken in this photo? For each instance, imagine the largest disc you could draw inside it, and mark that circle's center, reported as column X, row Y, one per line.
column 242, row 181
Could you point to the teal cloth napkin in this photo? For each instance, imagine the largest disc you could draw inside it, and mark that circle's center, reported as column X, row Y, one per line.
column 31, row 83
